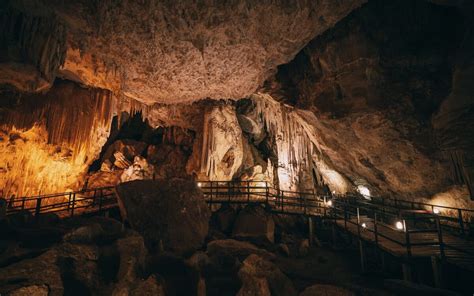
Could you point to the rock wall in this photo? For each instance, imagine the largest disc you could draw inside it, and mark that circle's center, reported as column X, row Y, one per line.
column 48, row 141
column 374, row 82
column 32, row 48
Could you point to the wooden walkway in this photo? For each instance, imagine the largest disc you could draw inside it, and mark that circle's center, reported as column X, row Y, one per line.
column 423, row 234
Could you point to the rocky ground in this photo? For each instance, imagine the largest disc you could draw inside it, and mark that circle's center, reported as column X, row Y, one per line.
column 239, row 251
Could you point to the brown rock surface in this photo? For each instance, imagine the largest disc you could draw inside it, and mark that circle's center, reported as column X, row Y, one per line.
column 261, row 277
column 170, row 214
column 163, row 52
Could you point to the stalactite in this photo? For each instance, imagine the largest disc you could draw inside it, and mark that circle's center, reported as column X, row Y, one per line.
column 297, row 147
column 38, row 40
column 53, row 139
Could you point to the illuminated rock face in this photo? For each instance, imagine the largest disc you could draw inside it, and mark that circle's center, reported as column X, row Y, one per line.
column 167, row 52
column 48, row 142
column 222, row 148
column 374, row 82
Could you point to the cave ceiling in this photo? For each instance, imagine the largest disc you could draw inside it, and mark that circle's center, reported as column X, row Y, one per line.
column 160, row 51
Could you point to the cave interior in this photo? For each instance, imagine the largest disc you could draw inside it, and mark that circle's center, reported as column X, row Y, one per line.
column 158, row 147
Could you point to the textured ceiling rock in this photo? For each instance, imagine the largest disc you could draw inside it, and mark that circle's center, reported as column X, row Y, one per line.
column 179, row 52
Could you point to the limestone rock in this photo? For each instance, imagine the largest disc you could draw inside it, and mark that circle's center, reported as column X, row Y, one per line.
column 34, row 290
column 169, row 161
column 234, row 248
column 222, row 143
column 132, row 253
column 303, row 248
column 170, row 214
column 224, row 218
column 85, row 234
column 122, row 152
column 261, row 277
column 139, row 170
column 254, row 223
column 326, row 290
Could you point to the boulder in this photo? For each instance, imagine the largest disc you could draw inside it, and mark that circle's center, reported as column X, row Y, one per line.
column 284, row 250
column 303, row 248
column 224, row 218
column 261, row 277
column 88, row 234
column 132, row 253
column 326, row 290
column 170, row 214
column 179, row 277
column 152, row 286
column 34, row 290
column 235, row 248
column 38, row 271
column 254, row 223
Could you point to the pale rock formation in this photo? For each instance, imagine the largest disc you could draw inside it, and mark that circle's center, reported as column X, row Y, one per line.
column 222, row 148
column 139, row 170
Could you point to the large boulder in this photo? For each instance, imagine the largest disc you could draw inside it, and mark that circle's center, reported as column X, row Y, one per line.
column 254, row 223
column 223, row 219
column 234, row 248
column 170, row 214
column 261, row 277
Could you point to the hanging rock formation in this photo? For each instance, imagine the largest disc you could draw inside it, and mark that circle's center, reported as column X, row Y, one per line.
column 48, row 142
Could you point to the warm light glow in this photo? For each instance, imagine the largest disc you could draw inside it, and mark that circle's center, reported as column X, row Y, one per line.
column 199, row 184
column 364, row 225
column 329, row 203
column 364, row 191
column 399, row 225
column 436, row 211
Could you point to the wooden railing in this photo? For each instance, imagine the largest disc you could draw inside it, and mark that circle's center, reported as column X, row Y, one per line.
column 66, row 203
column 378, row 216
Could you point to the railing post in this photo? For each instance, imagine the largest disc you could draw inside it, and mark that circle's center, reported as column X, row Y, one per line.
column 248, row 191
column 325, row 204
column 38, row 208
column 281, row 200
column 23, row 203
column 101, row 195
column 461, row 222
column 361, row 244
column 228, row 191
column 407, row 238
column 440, row 238
column 69, row 201
column 304, row 204
column 375, row 231
column 94, row 197
column 210, row 195
column 73, row 204
column 345, row 216
column 266, row 192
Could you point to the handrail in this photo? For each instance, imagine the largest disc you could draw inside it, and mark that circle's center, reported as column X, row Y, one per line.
column 281, row 201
